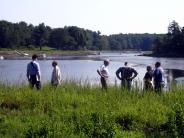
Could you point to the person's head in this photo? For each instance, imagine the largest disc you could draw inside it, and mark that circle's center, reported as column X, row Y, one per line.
column 126, row 64
column 157, row 64
column 149, row 68
column 106, row 62
column 34, row 57
column 54, row 63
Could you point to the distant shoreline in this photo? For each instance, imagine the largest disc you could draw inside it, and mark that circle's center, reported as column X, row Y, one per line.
column 25, row 54
column 55, row 54
column 162, row 55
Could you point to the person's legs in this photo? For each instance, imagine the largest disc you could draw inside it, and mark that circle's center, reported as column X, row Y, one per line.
column 123, row 84
column 38, row 85
column 32, row 81
column 157, row 87
column 104, row 83
column 129, row 84
column 148, row 85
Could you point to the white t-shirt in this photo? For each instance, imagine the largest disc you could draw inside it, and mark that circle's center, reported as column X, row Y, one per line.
column 104, row 71
column 56, row 76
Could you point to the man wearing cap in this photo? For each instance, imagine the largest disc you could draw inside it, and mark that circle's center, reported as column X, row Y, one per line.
column 104, row 74
column 127, row 75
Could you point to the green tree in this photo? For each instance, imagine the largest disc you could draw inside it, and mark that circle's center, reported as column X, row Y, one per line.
column 60, row 39
column 40, row 35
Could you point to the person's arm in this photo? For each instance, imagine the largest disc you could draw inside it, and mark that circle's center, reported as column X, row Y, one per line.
column 105, row 73
column 52, row 76
column 117, row 73
column 38, row 72
column 28, row 72
column 58, row 74
column 98, row 71
column 135, row 74
column 146, row 76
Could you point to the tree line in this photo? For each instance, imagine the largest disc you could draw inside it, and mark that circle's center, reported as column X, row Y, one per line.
column 22, row 35
column 171, row 44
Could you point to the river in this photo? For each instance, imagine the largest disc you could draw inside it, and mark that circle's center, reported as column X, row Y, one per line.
column 83, row 68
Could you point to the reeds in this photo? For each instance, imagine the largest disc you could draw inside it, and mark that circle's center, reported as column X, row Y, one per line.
column 73, row 110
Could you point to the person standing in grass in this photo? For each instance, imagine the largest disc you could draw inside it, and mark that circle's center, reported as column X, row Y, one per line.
column 158, row 75
column 127, row 75
column 104, row 74
column 148, row 79
column 34, row 73
column 56, row 74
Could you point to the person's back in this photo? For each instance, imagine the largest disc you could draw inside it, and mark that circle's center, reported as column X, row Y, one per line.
column 126, row 72
column 127, row 75
column 158, row 74
column 158, row 77
column 33, row 73
column 33, row 68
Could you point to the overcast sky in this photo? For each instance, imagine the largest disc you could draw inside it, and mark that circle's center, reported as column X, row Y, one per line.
column 107, row 16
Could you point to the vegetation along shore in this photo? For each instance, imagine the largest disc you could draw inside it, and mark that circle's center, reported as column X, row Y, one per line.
column 26, row 36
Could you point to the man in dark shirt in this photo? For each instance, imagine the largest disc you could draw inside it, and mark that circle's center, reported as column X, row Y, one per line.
column 127, row 75
column 148, row 79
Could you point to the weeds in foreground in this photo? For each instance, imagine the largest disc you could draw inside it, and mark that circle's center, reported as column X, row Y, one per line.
column 73, row 110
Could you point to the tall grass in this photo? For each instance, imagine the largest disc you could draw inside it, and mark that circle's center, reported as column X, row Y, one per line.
column 73, row 110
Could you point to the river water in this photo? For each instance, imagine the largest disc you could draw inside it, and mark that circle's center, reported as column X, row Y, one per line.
column 83, row 68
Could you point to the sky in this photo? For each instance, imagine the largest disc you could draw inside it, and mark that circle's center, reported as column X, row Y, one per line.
column 106, row 16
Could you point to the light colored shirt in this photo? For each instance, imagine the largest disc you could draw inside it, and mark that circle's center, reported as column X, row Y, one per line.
column 33, row 68
column 104, row 71
column 56, row 76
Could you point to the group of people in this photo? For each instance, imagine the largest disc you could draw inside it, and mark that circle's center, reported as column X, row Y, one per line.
column 34, row 73
column 126, row 74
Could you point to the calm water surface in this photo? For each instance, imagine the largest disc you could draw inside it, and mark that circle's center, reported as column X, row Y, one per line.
column 84, row 68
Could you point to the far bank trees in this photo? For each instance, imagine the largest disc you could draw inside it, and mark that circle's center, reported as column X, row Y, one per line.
column 22, row 35
column 171, row 44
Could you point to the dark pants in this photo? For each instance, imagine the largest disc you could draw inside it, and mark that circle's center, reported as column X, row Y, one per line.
column 158, row 87
column 33, row 81
column 104, row 83
column 125, row 83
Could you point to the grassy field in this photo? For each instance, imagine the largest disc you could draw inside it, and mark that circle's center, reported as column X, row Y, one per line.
column 77, row 111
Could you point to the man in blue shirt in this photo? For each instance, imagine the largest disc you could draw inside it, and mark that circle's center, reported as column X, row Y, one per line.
column 33, row 73
column 158, row 75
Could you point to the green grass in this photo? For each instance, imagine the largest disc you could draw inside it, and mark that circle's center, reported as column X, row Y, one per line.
column 73, row 110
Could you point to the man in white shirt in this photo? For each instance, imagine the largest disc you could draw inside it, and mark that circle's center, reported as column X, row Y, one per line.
column 104, row 74
column 56, row 74
column 33, row 72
